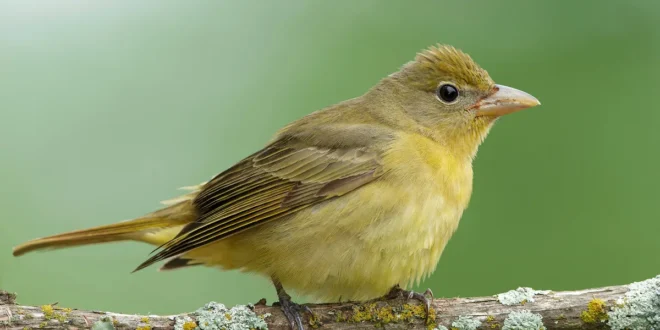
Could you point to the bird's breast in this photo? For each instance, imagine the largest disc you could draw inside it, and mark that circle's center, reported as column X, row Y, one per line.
column 429, row 174
column 390, row 231
column 433, row 188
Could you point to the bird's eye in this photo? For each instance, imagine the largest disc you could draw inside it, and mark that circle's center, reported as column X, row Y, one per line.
column 447, row 93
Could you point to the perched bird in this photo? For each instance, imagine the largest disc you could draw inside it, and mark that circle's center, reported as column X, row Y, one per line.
column 349, row 202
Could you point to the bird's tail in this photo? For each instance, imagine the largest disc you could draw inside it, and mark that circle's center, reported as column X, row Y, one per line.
column 155, row 228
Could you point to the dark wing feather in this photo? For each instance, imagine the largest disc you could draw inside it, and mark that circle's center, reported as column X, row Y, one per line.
column 178, row 262
column 275, row 182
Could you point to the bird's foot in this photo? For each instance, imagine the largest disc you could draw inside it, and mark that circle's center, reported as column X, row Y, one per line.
column 397, row 292
column 292, row 311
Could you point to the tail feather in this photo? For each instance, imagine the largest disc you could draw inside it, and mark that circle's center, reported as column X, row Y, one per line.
column 140, row 229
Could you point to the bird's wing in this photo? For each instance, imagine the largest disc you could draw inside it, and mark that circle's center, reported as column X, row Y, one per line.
column 279, row 180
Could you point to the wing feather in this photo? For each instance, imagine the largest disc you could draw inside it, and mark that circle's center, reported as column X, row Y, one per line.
column 271, row 184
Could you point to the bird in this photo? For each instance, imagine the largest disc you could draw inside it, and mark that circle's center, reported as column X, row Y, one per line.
column 354, row 201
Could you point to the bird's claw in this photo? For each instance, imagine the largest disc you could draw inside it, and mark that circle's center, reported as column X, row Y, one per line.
column 292, row 312
column 397, row 292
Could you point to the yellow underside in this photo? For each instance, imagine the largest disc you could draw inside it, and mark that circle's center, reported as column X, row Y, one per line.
column 391, row 231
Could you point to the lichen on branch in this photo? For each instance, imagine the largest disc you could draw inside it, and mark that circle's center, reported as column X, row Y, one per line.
column 634, row 307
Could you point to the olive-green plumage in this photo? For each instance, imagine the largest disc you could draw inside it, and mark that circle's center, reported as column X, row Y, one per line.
column 348, row 201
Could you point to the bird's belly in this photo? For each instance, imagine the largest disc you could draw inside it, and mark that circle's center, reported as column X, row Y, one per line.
column 352, row 248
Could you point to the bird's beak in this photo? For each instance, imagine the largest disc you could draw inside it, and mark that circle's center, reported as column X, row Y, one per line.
column 504, row 100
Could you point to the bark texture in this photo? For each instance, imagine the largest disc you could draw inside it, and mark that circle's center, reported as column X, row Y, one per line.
column 585, row 309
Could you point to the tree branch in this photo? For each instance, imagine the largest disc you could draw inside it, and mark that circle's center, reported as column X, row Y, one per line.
column 634, row 306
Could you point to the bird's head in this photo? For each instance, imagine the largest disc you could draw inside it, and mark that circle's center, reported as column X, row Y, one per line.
column 446, row 93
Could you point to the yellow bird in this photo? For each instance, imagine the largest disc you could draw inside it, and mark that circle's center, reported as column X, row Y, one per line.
column 349, row 202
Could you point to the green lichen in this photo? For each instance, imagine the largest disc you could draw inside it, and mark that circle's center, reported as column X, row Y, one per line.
column 363, row 313
column 9, row 322
column 146, row 326
column 61, row 317
column 382, row 313
column 190, row 325
column 314, row 321
column 417, row 310
column 215, row 316
column 386, row 314
column 639, row 309
column 104, row 323
column 465, row 323
column 48, row 311
column 523, row 320
column 491, row 322
column 519, row 296
column 184, row 323
column 595, row 312
column 339, row 316
column 441, row 327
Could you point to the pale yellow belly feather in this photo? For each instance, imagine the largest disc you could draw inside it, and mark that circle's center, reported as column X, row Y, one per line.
column 391, row 231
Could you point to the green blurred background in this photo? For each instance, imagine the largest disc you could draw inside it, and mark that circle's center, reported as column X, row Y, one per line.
column 106, row 107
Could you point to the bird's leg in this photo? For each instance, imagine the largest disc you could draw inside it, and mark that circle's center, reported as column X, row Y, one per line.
column 397, row 292
column 290, row 309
